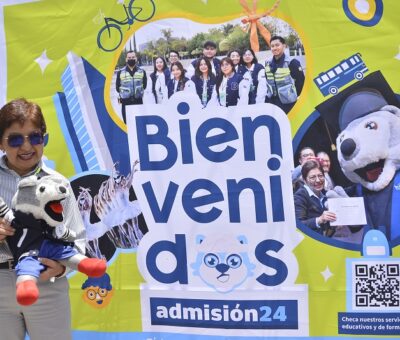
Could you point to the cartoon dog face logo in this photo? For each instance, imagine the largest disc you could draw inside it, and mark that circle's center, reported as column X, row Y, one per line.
column 369, row 148
column 222, row 262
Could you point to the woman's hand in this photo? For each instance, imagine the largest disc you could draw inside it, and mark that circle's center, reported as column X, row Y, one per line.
column 5, row 229
column 327, row 216
column 54, row 269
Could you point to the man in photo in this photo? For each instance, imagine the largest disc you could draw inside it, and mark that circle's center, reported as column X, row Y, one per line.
column 209, row 52
column 326, row 165
column 305, row 154
column 130, row 83
column 284, row 77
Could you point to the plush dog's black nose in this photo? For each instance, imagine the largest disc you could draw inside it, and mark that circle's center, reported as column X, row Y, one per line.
column 62, row 189
column 222, row 268
column 348, row 146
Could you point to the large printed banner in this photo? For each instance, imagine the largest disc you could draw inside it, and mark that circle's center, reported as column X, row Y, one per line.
column 185, row 132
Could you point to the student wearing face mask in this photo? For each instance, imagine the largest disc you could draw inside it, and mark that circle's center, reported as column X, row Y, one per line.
column 131, row 83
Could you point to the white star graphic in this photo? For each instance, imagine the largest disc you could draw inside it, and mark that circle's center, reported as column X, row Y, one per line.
column 326, row 274
column 43, row 61
column 398, row 55
column 121, row 2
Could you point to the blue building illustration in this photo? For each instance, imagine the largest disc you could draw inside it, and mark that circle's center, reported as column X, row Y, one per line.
column 94, row 140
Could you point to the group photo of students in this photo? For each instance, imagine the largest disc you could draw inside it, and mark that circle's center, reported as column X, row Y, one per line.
column 217, row 64
column 222, row 73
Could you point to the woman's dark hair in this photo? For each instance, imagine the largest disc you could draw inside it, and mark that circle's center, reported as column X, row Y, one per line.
column 180, row 66
column 209, row 43
column 221, row 75
column 238, row 52
column 21, row 110
column 278, row 37
column 310, row 165
column 164, row 62
column 255, row 60
column 197, row 71
column 174, row 51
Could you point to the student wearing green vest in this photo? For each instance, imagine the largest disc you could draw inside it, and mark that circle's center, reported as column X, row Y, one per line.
column 284, row 77
column 131, row 83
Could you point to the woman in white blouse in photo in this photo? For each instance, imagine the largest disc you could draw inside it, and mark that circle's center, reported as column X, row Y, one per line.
column 157, row 83
column 255, row 73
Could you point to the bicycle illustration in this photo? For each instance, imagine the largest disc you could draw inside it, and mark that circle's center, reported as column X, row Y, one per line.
column 110, row 35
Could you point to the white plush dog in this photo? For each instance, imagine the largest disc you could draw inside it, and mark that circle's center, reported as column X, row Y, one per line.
column 38, row 213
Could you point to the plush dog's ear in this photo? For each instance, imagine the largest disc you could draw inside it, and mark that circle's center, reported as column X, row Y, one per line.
column 30, row 181
column 392, row 109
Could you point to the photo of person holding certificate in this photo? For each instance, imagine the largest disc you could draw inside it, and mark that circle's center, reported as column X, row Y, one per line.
column 309, row 200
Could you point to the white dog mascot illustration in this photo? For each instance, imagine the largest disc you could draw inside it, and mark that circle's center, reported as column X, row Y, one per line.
column 369, row 155
column 222, row 261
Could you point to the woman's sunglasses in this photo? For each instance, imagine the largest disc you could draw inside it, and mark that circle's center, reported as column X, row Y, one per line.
column 15, row 140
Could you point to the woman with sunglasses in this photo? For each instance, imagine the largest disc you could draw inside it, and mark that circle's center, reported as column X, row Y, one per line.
column 22, row 138
column 255, row 72
column 231, row 88
column 204, row 80
column 309, row 200
column 158, row 80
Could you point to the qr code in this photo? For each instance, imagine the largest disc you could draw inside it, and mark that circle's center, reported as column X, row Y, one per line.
column 376, row 285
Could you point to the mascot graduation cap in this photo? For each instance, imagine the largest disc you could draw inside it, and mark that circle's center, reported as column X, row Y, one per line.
column 37, row 216
column 367, row 118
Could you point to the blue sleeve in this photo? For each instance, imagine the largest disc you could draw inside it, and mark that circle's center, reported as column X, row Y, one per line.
column 144, row 79
column 296, row 72
column 118, row 81
column 296, row 173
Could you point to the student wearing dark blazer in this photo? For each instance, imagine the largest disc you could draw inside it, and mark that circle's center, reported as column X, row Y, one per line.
column 232, row 88
column 204, row 80
column 209, row 51
column 309, row 200
column 256, row 72
column 236, row 57
column 179, row 82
